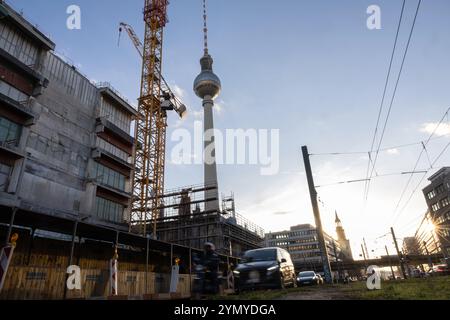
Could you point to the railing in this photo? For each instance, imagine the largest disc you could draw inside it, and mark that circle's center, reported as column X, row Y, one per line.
column 108, row 85
column 10, row 144
column 171, row 207
column 243, row 222
column 26, row 19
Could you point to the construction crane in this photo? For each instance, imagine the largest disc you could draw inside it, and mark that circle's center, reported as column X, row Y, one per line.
column 133, row 36
column 155, row 100
column 171, row 101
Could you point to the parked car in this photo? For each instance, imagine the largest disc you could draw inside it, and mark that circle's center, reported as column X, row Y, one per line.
column 265, row 268
column 308, row 277
column 439, row 270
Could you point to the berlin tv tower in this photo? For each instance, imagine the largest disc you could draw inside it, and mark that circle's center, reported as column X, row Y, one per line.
column 207, row 87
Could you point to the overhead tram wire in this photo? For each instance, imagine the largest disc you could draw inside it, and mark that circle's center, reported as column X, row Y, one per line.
column 424, row 145
column 393, row 95
column 366, row 152
column 421, row 180
column 377, row 176
column 380, row 111
column 406, row 225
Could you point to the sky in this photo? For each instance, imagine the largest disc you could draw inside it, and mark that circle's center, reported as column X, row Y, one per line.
column 311, row 69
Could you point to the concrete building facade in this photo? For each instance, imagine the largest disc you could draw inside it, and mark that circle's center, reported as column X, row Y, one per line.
column 302, row 244
column 65, row 143
column 410, row 246
column 437, row 196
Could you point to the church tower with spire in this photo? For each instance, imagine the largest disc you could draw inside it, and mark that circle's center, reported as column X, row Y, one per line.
column 342, row 239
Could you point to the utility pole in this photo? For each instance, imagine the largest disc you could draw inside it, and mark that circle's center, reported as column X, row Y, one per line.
column 315, row 206
column 402, row 267
column 430, row 262
column 337, row 261
column 390, row 263
column 364, row 255
column 365, row 247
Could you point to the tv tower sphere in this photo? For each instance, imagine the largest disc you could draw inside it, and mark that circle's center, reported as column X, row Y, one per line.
column 207, row 83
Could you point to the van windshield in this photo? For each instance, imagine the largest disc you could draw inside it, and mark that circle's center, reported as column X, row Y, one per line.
column 260, row 255
column 306, row 274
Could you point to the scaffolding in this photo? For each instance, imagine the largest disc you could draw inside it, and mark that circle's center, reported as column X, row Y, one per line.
column 183, row 220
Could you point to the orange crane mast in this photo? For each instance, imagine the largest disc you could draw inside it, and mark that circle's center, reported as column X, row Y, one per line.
column 151, row 123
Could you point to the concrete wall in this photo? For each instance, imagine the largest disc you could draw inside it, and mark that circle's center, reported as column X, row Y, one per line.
column 59, row 147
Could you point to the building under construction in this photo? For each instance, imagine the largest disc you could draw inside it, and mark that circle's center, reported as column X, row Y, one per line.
column 184, row 220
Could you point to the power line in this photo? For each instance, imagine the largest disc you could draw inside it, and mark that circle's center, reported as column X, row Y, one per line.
column 393, row 95
column 420, row 182
column 377, row 176
column 424, row 144
column 380, row 111
column 366, row 152
column 410, row 222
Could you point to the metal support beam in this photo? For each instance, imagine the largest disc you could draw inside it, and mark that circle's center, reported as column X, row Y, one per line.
column 10, row 226
column 390, row 263
column 30, row 245
column 72, row 248
column 146, row 263
column 190, row 270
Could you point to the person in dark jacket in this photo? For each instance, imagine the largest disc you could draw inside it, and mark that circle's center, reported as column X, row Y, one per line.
column 210, row 261
column 207, row 271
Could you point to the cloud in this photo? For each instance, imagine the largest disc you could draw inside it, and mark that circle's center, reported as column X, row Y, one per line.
column 197, row 114
column 393, row 151
column 280, row 213
column 179, row 123
column 178, row 91
column 430, row 127
column 219, row 106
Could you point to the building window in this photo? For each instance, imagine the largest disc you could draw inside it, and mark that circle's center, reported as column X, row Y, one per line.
column 440, row 188
column 440, row 220
column 107, row 176
column 116, row 116
column 108, row 210
column 9, row 132
column 435, row 207
column 5, row 172
column 13, row 42
column 108, row 147
column 445, row 202
column 11, row 92
column 431, row 194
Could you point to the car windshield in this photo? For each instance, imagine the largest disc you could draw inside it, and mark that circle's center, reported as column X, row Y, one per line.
column 306, row 274
column 260, row 255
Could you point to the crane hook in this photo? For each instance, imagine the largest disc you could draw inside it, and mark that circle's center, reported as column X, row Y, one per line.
column 120, row 33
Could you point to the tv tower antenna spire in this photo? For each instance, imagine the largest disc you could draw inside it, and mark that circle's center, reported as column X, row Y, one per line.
column 205, row 28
